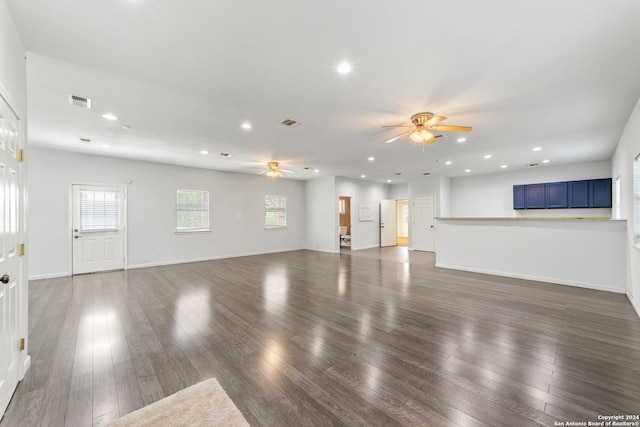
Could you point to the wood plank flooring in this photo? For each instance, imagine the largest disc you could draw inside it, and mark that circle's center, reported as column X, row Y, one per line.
column 376, row 337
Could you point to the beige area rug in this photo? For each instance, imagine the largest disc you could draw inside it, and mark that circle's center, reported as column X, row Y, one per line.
column 203, row 404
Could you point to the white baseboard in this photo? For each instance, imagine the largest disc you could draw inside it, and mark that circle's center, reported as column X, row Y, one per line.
column 535, row 278
column 49, row 276
column 213, row 258
column 635, row 306
column 359, row 248
column 25, row 367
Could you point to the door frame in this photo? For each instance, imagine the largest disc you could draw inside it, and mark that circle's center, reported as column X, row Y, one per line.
column 351, row 222
column 125, row 215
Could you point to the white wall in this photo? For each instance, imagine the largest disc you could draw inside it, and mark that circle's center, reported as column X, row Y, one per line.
column 13, row 74
column 399, row 191
column 321, row 208
column 571, row 252
column 364, row 234
column 432, row 184
column 622, row 166
column 237, row 210
column 491, row 195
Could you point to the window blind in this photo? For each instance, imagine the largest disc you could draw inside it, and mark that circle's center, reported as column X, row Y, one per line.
column 99, row 211
column 192, row 210
column 275, row 211
column 636, row 199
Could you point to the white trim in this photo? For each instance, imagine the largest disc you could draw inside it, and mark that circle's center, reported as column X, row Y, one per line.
column 365, row 247
column 50, row 276
column 535, row 278
column 635, row 306
column 26, row 364
column 213, row 258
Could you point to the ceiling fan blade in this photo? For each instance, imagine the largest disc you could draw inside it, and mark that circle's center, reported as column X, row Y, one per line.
column 453, row 128
column 399, row 126
column 262, row 172
column 286, row 171
column 399, row 136
column 434, row 121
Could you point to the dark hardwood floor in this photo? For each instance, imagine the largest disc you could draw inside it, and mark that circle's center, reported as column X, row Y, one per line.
column 377, row 337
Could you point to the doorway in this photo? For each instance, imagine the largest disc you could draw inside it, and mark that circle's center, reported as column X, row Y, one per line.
column 402, row 222
column 98, row 228
column 344, row 210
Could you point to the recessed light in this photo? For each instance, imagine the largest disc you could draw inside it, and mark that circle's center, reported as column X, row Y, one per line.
column 126, row 127
column 246, row 125
column 504, row 166
column 204, row 152
column 461, row 139
column 316, row 170
column 467, row 170
column 487, row 156
column 448, row 162
column 388, row 180
column 363, row 176
column 546, row 161
column 537, row 148
column 109, row 117
column 105, row 145
column 371, row 159
column 343, row 68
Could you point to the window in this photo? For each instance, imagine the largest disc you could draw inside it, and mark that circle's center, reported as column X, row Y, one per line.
column 636, row 200
column 617, row 213
column 275, row 211
column 192, row 210
column 98, row 211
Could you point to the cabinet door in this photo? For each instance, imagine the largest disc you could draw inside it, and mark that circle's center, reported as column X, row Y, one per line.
column 556, row 195
column 519, row 197
column 600, row 192
column 535, row 196
column 579, row 194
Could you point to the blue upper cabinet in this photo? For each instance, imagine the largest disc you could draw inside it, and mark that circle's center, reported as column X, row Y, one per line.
column 519, row 197
column 579, row 194
column 556, row 195
column 593, row 193
column 600, row 193
column 535, row 196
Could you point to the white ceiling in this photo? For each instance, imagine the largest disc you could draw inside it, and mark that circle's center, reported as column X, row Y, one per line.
column 563, row 75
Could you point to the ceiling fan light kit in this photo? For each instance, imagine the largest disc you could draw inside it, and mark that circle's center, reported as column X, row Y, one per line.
column 423, row 124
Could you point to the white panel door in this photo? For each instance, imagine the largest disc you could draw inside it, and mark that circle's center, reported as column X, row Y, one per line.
column 387, row 222
column 423, row 213
column 10, row 281
column 98, row 228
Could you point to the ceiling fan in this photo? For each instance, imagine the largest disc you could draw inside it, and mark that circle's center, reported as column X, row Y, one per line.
column 423, row 124
column 273, row 170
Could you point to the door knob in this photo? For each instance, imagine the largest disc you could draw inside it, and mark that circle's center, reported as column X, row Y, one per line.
column 76, row 237
column 5, row 278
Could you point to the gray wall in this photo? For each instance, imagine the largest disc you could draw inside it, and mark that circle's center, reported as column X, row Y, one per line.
column 236, row 200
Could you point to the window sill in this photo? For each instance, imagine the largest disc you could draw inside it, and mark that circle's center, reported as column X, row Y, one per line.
column 276, row 227
column 204, row 230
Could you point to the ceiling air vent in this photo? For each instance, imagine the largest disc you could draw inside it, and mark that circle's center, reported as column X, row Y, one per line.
column 532, row 165
column 80, row 101
column 85, row 140
column 290, row 123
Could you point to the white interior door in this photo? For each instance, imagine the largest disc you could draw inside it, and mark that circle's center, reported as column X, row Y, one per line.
column 423, row 213
column 10, row 272
column 98, row 228
column 387, row 222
